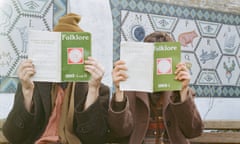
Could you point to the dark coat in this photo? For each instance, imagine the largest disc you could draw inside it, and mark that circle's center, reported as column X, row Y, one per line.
column 22, row 127
column 181, row 120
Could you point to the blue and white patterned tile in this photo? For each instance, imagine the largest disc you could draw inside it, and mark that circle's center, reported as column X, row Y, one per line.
column 208, row 29
column 192, row 64
column 228, row 39
column 163, row 23
column 8, row 16
column 208, row 77
column 228, row 69
column 135, row 26
column 186, row 32
column 208, row 53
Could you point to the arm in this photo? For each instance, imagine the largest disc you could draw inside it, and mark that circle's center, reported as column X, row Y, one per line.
column 185, row 110
column 25, row 71
column 120, row 118
column 188, row 117
column 119, row 115
column 97, row 72
column 182, row 74
column 92, row 115
column 19, row 121
column 91, row 123
column 22, row 126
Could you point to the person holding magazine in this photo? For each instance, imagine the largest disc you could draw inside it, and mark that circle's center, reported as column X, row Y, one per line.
column 166, row 117
column 63, row 113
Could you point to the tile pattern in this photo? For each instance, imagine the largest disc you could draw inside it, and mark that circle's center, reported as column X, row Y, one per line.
column 210, row 40
column 17, row 17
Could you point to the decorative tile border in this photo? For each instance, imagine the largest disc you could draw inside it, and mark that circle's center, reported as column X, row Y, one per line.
column 158, row 8
column 8, row 85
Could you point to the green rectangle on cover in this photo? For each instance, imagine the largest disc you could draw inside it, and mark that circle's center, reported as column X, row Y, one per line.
column 76, row 48
column 166, row 56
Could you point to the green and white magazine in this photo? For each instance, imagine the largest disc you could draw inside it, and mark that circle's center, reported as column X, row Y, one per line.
column 59, row 56
column 151, row 66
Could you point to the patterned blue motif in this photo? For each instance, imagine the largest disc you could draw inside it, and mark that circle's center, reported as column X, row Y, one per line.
column 59, row 9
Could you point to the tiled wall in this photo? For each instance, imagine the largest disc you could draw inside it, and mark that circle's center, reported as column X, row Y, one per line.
column 16, row 18
column 208, row 53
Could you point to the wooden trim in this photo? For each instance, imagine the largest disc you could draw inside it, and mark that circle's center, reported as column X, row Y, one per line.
column 211, row 137
column 1, row 123
column 2, row 138
column 219, row 132
column 222, row 124
column 218, row 137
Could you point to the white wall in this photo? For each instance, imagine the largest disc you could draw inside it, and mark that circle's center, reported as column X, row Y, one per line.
column 210, row 108
column 219, row 108
column 6, row 102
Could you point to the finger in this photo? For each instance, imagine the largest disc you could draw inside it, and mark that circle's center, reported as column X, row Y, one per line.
column 120, row 67
column 181, row 68
column 90, row 61
column 99, row 68
column 181, row 64
column 119, row 62
column 24, row 64
column 119, row 79
column 27, row 63
column 27, row 76
column 120, row 74
column 98, row 72
column 27, row 73
column 94, row 65
column 94, row 71
column 25, row 69
column 89, row 68
column 183, row 76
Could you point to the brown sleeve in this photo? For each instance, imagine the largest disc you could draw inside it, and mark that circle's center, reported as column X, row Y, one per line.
column 120, row 119
column 188, row 117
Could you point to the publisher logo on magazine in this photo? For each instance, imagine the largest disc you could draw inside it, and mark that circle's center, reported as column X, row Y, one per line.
column 75, row 55
column 164, row 66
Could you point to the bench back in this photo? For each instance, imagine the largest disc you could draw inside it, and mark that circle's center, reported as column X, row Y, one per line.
column 2, row 138
column 220, row 132
column 216, row 132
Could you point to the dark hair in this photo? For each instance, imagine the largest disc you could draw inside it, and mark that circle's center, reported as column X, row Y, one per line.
column 158, row 37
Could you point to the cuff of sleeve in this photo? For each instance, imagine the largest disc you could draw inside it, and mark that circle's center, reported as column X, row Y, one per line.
column 119, row 107
column 187, row 106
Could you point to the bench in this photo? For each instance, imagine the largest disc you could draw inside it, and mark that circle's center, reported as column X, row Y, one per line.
column 219, row 132
column 216, row 132
column 2, row 138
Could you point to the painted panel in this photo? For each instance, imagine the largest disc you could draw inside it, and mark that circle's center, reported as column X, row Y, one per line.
column 209, row 40
column 17, row 17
